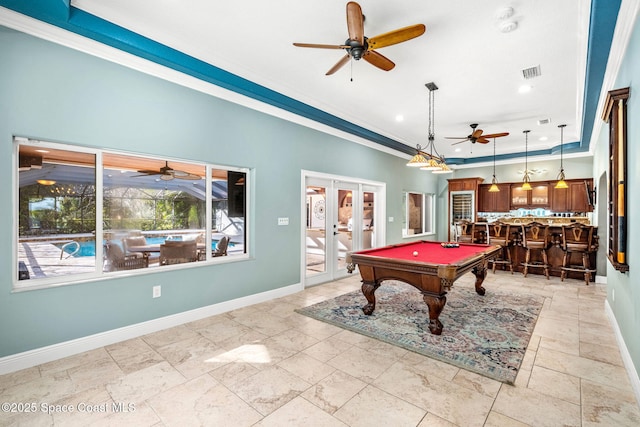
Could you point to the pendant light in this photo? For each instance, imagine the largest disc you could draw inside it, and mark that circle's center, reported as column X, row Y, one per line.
column 561, row 182
column 494, row 182
column 526, row 185
column 430, row 160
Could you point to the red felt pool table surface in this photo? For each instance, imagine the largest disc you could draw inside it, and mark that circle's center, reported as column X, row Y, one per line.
column 431, row 252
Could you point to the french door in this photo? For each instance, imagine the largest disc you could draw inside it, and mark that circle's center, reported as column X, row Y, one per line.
column 342, row 215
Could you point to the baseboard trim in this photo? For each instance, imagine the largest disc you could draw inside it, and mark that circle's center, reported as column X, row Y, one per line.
column 624, row 352
column 38, row 356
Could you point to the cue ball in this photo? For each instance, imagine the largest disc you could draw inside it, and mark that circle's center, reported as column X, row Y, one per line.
column 415, row 253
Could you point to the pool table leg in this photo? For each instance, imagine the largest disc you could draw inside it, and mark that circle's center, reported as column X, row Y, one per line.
column 369, row 289
column 480, row 273
column 435, row 304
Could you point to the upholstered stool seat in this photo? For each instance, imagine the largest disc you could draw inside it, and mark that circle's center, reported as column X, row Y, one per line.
column 578, row 238
column 498, row 233
column 535, row 238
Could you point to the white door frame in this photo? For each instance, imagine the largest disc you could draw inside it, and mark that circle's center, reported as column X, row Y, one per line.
column 378, row 188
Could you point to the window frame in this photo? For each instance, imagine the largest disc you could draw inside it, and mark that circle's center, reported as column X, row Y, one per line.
column 98, row 273
column 427, row 217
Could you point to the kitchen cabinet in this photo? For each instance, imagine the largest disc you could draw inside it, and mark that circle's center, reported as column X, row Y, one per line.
column 537, row 197
column 494, row 202
column 464, row 184
column 572, row 199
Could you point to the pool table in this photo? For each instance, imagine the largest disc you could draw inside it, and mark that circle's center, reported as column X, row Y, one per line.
column 430, row 267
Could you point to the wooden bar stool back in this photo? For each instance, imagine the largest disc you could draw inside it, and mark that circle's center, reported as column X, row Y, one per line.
column 578, row 238
column 466, row 232
column 499, row 233
column 535, row 238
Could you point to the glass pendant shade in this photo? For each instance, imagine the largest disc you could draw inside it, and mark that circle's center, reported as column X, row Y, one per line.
column 494, row 185
column 526, row 186
column 561, row 182
column 432, row 165
column 418, row 161
column 444, row 169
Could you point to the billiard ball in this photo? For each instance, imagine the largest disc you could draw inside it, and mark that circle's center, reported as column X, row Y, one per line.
column 415, row 253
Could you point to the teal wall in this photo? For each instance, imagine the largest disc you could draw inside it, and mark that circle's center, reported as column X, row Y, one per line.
column 57, row 94
column 626, row 286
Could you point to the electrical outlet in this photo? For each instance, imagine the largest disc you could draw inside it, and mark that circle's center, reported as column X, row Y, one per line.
column 157, row 291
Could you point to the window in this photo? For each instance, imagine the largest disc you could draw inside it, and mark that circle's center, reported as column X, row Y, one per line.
column 85, row 213
column 419, row 214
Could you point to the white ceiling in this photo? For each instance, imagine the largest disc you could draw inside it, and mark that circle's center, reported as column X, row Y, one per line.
column 477, row 68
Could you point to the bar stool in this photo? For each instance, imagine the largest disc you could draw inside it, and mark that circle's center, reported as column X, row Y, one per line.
column 535, row 237
column 499, row 234
column 578, row 238
column 466, row 234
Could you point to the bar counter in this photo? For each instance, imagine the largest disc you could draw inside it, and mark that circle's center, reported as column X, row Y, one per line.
column 554, row 251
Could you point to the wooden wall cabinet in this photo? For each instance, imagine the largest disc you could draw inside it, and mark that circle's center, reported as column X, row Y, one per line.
column 572, row 199
column 538, row 197
column 494, row 202
column 464, row 184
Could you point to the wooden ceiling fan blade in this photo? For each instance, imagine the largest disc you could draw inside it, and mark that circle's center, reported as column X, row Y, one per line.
column 397, row 36
column 339, row 64
column 496, row 135
column 460, row 142
column 482, row 140
column 377, row 60
column 355, row 22
column 476, row 134
column 322, row 46
column 457, row 137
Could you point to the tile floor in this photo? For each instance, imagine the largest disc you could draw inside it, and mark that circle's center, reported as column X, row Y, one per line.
column 266, row 365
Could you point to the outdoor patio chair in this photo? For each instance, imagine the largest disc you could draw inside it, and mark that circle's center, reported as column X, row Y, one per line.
column 117, row 260
column 221, row 247
column 178, row 252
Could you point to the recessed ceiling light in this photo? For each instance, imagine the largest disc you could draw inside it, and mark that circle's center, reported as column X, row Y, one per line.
column 399, row 118
column 524, row 89
column 457, row 150
column 543, row 138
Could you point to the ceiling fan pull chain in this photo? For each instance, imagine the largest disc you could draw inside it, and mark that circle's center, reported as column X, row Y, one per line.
column 351, row 64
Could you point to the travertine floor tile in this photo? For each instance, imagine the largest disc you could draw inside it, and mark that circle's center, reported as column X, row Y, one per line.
column 536, row 409
column 266, row 365
column 202, row 401
column 334, row 391
column 384, row 408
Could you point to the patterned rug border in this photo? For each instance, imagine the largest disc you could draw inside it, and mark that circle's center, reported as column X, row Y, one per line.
column 468, row 362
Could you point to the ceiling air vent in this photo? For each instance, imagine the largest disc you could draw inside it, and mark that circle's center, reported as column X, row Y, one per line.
column 544, row 122
column 531, row 72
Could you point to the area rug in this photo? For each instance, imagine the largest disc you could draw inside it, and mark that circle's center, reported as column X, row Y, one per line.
column 485, row 334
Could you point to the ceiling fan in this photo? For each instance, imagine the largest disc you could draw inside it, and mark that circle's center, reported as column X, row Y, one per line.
column 477, row 136
column 358, row 46
column 167, row 173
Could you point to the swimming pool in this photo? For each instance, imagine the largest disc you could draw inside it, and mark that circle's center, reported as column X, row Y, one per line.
column 88, row 247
